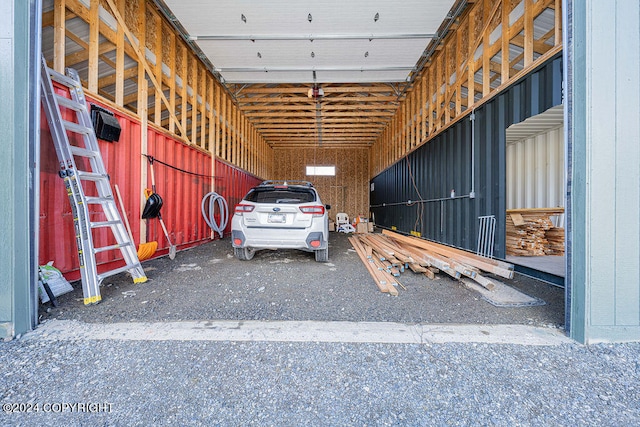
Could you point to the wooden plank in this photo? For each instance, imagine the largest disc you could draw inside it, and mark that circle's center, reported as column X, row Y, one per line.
column 184, row 74
column 218, row 124
column 499, row 268
column 94, row 45
column 194, row 99
column 483, row 281
column 528, row 32
column 119, row 92
column 417, row 268
column 517, row 219
column 157, row 68
column 59, row 35
column 379, row 280
column 172, row 81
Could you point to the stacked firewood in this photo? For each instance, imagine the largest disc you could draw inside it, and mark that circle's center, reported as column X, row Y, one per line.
column 530, row 232
column 388, row 255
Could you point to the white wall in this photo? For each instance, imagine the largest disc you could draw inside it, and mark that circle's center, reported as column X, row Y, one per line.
column 535, row 171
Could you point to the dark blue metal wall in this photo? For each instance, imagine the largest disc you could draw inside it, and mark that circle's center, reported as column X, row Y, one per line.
column 414, row 194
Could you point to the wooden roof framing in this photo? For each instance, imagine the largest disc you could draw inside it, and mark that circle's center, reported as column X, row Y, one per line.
column 490, row 44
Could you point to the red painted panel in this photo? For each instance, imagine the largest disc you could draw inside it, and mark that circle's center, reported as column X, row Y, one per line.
column 182, row 180
column 183, row 177
column 233, row 184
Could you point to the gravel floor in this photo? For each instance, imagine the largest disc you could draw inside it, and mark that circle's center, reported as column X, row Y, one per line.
column 226, row 383
column 319, row 384
column 207, row 282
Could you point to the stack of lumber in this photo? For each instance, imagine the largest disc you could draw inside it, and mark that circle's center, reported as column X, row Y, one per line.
column 388, row 255
column 555, row 237
column 530, row 232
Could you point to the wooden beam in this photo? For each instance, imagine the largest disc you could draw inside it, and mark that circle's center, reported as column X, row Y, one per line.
column 157, row 52
column 59, row 34
column 141, row 56
column 528, row 32
column 172, row 80
column 94, row 39
column 120, row 76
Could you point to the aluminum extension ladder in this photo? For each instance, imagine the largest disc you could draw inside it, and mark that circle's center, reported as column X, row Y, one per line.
column 77, row 181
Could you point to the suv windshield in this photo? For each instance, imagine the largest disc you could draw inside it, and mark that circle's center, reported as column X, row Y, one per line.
column 281, row 195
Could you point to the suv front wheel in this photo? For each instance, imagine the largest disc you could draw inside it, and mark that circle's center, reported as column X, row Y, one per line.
column 244, row 254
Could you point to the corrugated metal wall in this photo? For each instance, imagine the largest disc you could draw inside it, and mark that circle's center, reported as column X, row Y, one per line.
column 535, row 171
column 182, row 183
column 445, row 163
column 232, row 184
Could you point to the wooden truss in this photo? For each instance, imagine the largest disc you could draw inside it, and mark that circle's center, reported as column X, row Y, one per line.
column 129, row 55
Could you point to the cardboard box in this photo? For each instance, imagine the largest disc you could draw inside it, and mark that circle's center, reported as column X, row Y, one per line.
column 362, row 227
column 370, row 227
column 332, row 226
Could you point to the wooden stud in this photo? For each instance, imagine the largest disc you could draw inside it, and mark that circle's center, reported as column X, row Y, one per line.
column 458, row 69
column 194, row 99
column 94, row 39
column 184, row 69
column 504, row 72
column 557, row 38
column 203, row 107
column 119, row 98
column 486, row 67
column 528, row 32
column 211, row 118
column 223, row 128
column 157, row 51
column 218, row 121
column 172, row 80
column 59, row 35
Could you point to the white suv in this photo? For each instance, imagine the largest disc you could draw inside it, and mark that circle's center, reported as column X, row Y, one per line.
column 281, row 215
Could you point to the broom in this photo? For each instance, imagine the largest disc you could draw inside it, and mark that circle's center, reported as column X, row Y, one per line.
column 145, row 250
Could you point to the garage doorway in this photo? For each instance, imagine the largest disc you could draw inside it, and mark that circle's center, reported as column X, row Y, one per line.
column 535, row 199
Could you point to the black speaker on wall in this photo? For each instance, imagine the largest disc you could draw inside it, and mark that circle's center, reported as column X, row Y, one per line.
column 105, row 124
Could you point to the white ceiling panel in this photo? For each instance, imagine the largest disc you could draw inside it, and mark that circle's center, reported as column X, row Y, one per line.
column 358, row 40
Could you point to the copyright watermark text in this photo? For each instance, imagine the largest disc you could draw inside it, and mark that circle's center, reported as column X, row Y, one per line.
column 56, row 407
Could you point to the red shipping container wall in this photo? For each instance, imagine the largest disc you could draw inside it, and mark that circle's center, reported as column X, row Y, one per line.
column 182, row 180
column 232, row 184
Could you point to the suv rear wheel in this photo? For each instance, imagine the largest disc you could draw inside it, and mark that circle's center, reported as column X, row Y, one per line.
column 322, row 255
column 244, row 254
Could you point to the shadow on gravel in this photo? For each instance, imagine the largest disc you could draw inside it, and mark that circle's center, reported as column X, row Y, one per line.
column 207, row 282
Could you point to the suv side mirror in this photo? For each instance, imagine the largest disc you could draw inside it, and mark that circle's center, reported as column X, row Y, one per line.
column 328, row 207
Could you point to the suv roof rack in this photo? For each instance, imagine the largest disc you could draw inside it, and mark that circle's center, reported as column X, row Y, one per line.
column 286, row 182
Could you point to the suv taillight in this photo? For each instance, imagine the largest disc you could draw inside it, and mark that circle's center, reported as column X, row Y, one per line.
column 241, row 209
column 315, row 210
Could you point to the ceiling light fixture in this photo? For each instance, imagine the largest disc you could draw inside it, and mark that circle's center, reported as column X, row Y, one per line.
column 310, row 18
column 376, row 17
column 313, row 55
column 244, row 18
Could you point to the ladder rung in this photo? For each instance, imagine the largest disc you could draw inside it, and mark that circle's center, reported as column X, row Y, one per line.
column 100, row 224
column 62, row 79
column 76, row 128
column 69, row 103
column 112, row 247
column 98, row 200
column 114, row 272
column 92, row 176
column 83, row 152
